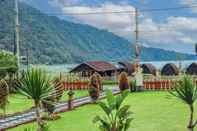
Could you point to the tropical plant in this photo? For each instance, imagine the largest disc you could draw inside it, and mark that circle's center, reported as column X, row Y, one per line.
column 123, row 81
column 36, row 86
column 186, row 91
column 118, row 116
column 4, row 92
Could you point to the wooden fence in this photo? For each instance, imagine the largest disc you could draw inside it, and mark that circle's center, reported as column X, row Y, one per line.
column 148, row 85
column 76, row 85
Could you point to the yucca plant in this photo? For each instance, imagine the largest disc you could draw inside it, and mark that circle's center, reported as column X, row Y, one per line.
column 186, row 91
column 4, row 92
column 36, row 86
column 123, row 81
column 118, row 116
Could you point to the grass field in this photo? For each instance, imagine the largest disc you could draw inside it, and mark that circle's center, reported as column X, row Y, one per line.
column 18, row 103
column 153, row 111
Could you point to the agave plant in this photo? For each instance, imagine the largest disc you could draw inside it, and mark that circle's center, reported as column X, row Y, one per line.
column 36, row 86
column 186, row 91
column 118, row 116
column 4, row 92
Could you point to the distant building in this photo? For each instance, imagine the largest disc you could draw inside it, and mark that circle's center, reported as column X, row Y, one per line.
column 127, row 67
column 192, row 69
column 149, row 69
column 86, row 69
column 170, row 69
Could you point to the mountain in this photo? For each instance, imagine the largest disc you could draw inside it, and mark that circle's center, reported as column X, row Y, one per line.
column 51, row 40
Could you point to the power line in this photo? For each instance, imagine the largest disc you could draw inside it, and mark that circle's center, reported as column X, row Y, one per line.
column 122, row 12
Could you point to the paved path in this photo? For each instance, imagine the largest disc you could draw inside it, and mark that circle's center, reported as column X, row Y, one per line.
column 13, row 121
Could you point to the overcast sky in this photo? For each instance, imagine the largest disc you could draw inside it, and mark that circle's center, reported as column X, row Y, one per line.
column 171, row 30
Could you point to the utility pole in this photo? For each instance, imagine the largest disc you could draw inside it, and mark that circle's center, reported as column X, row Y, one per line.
column 137, row 46
column 27, row 58
column 17, row 39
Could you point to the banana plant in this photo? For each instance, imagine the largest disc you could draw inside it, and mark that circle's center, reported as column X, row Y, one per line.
column 186, row 91
column 117, row 116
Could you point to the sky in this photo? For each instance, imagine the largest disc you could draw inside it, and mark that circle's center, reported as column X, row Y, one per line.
column 170, row 29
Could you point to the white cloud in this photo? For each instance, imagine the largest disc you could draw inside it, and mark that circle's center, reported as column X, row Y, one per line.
column 190, row 3
column 118, row 23
column 173, row 31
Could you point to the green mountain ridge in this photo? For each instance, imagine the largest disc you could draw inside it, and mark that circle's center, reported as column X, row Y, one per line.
column 51, row 40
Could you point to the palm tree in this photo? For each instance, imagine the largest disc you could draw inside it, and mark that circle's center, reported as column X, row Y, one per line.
column 117, row 116
column 36, row 86
column 186, row 91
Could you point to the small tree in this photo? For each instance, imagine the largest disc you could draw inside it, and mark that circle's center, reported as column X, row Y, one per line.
column 94, row 89
column 186, row 91
column 117, row 116
column 4, row 92
column 36, row 86
column 123, row 81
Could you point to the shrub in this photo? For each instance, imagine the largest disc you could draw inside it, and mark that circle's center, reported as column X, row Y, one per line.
column 117, row 115
column 123, row 81
column 4, row 92
column 8, row 63
column 132, row 85
column 94, row 89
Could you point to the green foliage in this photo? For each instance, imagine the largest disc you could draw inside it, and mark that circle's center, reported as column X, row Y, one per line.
column 117, row 115
column 36, row 86
column 8, row 63
column 186, row 91
column 52, row 40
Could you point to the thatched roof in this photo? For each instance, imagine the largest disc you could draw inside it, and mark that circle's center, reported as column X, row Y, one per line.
column 98, row 66
column 192, row 69
column 128, row 67
column 149, row 69
column 170, row 69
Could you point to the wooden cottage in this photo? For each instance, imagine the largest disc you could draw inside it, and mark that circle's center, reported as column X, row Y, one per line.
column 128, row 67
column 170, row 69
column 192, row 69
column 149, row 69
column 86, row 69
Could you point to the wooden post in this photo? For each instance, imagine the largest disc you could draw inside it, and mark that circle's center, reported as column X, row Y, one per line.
column 70, row 100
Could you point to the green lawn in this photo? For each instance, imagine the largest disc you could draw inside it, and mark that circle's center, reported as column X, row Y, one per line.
column 18, row 103
column 153, row 111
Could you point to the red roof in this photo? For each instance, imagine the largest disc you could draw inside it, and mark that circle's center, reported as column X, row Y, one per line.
column 101, row 65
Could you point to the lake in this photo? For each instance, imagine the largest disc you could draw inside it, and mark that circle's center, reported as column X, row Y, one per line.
column 68, row 67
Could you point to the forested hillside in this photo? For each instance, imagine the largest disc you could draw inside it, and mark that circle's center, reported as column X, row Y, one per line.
column 51, row 40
